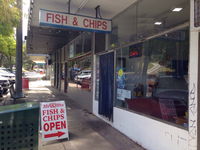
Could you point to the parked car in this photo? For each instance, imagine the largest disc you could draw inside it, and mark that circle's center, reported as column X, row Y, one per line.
column 4, row 85
column 84, row 74
column 7, row 74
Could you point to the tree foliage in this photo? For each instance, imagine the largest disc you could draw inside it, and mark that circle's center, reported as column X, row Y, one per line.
column 9, row 18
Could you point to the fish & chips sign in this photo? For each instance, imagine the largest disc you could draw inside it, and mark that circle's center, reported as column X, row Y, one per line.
column 64, row 20
column 53, row 120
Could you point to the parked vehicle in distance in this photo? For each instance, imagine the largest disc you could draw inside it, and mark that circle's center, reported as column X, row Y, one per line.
column 4, row 85
column 84, row 74
column 7, row 74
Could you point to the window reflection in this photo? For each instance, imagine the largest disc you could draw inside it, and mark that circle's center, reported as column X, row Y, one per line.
column 80, row 73
column 152, row 77
column 143, row 19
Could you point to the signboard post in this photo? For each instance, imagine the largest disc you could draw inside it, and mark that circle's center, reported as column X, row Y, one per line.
column 54, row 120
column 71, row 21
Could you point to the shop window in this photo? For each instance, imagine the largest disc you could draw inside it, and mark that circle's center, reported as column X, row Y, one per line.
column 80, row 73
column 71, row 50
column 144, row 19
column 152, row 77
column 99, row 42
column 87, row 39
column 124, row 27
column 79, row 45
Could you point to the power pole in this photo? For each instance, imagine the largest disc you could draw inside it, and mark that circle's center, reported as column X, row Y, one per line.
column 19, row 47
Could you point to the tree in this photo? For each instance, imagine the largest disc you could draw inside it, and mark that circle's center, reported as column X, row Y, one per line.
column 7, row 50
column 9, row 18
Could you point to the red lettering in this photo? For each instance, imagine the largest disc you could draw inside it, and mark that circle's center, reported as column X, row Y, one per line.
column 98, row 24
column 58, row 125
column 52, row 125
column 85, row 22
column 62, row 116
column 50, row 118
column 104, row 25
column 53, row 117
column 55, row 126
column 64, row 19
column 92, row 23
column 63, row 124
column 134, row 53
column 57, row 18
column 49, row 16
column 46, row 127
column 53, row 18
column 44, row 112
column 44, row 118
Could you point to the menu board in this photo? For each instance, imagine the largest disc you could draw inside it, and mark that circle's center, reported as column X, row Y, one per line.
column 135, row 50
column 122, row 94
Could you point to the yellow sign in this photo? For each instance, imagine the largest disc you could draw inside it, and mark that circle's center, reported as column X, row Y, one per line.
column 120, row 72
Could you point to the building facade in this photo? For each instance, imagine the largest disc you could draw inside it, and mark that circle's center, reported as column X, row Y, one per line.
column 142, row 78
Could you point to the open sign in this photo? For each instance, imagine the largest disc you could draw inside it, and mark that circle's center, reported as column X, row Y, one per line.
column 53, row 120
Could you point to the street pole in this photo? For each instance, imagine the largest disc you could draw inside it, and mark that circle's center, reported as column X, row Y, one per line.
column 19, row 46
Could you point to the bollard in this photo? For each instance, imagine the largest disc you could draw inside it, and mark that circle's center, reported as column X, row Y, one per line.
column 25, row 83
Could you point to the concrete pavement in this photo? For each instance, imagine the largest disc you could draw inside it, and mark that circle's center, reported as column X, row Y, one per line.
column 86, row 131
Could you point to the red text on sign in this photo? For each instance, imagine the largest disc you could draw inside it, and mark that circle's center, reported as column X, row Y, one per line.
column 96, row 24
column 56, row 18
column 50, row 112
column 55, row 125
column 53, row 117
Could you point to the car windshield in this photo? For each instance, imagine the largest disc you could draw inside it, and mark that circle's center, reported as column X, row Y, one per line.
column 85, row 73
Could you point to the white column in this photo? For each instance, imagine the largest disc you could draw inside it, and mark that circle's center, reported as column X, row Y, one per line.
column 193, row 82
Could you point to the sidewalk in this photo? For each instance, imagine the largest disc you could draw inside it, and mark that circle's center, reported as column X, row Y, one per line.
column 86, row 131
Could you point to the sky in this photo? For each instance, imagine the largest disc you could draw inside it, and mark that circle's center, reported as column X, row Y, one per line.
column 26, row 4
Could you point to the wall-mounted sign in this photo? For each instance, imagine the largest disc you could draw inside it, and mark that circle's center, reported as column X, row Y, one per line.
column 64, row 20
column 53, row 120
column 135, row 50
column 122, row 94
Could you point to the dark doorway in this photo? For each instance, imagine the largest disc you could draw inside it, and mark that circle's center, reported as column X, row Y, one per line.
column 106, row 85
column 66, row 78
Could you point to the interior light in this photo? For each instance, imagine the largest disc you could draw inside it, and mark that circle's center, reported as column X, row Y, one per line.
column 158, row 23
column 177, row 9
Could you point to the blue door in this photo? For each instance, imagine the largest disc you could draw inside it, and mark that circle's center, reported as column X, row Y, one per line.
column 106, row 85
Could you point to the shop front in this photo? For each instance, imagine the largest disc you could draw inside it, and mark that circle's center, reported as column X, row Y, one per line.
column 142, row 78
column 143, row 88
column 73, row 70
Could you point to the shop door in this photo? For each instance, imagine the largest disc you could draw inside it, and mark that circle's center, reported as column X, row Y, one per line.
column 106, row 85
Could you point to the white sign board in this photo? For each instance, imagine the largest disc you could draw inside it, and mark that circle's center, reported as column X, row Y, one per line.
column 64, row 20
column 123, row 94
column 53, row 120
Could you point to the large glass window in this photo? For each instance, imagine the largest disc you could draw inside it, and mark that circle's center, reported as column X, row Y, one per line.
column 144, row 19
column 87, row 42
column 152, row 77
column 79, row 45
column 80, row 73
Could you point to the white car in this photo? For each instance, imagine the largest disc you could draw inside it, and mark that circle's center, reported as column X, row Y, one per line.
column 4, row 85
column 84, row 74
column 7, row 74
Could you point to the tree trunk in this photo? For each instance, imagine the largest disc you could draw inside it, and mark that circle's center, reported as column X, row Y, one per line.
column 1, row 59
